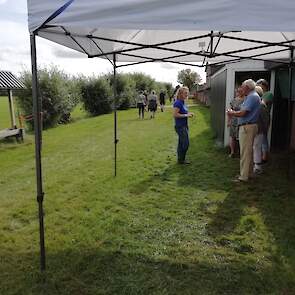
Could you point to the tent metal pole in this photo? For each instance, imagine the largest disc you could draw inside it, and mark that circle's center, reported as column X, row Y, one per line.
column 11, row 109
column 289, row 128
column 115, row 111
column 38, row 134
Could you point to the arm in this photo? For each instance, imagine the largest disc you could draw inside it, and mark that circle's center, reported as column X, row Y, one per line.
column 241, row 113
column 176, row 114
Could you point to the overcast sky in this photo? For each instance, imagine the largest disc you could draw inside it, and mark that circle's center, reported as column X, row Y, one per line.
column 15, row 50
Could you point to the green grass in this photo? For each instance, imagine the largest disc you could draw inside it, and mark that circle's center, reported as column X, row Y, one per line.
column 158, row 228
column 4, row 113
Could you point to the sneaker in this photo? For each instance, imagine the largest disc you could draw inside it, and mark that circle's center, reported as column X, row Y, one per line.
column 239, row 180
column 257, row 171
column 185, row 162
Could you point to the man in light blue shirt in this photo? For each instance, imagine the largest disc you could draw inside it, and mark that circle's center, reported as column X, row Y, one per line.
column 247, row 120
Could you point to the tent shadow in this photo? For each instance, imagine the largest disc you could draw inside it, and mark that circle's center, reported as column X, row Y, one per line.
column 97, row 271
column 271, row 194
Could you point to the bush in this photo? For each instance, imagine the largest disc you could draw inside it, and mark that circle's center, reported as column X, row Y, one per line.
column 125, row 89
column 57, row 92
column 97, row 96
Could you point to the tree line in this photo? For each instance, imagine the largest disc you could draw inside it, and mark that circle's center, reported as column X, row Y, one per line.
column 61, row 93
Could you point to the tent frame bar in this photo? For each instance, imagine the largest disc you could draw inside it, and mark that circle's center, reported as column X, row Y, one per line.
column 116, row 140
column 38, row 146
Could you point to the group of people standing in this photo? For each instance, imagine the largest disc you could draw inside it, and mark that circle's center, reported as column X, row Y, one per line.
column 249, row 119
column 150, row 101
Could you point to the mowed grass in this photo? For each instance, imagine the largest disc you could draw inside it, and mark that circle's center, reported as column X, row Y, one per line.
column 4, row 113
column 157, row 228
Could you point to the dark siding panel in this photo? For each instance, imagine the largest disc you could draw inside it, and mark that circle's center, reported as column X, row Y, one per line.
column 217, row 99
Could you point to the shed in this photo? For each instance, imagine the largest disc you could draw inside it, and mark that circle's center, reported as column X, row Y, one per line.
column 9, row 82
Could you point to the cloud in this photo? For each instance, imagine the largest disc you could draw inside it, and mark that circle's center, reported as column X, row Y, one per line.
column 62, row 53
column 168, row 66
column 2, row 2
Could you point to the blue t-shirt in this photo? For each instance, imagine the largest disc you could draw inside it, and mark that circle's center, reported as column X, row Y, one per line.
column 251, row 104
column 181, row 122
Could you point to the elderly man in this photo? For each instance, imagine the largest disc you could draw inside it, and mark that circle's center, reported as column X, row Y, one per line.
column 247, row 121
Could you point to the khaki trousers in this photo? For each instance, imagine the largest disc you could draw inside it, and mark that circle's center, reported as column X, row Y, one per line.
column 247, row 134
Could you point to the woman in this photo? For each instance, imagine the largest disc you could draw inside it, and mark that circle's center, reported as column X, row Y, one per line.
column 235, row 105
column 180, row 114
column 141, row 104
column 263, row 123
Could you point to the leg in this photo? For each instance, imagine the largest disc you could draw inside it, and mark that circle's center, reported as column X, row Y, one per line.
column 246, row 136
column 265, row 148
column 232, row 145
column 183, row 143
column 257, row 151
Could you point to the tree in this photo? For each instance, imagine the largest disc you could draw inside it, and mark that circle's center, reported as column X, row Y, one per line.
column 188, row 78
column 58, row 93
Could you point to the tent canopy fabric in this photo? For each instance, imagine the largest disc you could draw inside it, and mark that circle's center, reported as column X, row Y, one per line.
column 169, row 31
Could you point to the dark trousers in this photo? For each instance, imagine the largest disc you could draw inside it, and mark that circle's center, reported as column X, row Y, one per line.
column 140, row 109
column 183, row 142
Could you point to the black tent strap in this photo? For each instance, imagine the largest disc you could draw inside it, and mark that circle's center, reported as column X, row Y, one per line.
column 97, row 46
column 149, row 59
column 75, row 41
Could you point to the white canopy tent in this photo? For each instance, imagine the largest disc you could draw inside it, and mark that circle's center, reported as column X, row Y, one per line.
column 140, row 31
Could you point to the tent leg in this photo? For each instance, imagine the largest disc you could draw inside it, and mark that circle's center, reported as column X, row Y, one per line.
column 290, row 166
column 38, row 134
column 11, row 109
column 115, row 111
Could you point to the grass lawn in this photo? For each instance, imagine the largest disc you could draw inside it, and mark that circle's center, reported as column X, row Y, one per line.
column 158, row 228
column 4, row 113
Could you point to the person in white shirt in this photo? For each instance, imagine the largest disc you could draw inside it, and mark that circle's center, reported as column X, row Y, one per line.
column 141, row 102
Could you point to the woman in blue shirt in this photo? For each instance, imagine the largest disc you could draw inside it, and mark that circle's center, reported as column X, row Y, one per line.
column 180, row 113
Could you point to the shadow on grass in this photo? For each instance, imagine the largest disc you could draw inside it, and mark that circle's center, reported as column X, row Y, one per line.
column 96, row 271
column 271, row 196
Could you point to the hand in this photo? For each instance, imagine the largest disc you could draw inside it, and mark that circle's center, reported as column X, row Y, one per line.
column 229, row 112
column 190, row 115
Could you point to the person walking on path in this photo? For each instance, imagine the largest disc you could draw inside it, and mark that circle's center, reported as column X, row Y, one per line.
column 152, row 103
column 247, row 121
column 162, row 100
column 180, row 114
column 141, row 102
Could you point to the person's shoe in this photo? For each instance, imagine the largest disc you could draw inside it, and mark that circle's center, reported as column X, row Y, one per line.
column 185, row 162
column 239, row 180
column 231, row 155
column 257, row 171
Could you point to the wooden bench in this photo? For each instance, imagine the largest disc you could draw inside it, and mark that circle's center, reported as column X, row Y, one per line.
column 17, row 133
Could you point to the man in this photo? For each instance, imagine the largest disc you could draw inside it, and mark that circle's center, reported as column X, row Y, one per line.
column 162, row 100
column 180, row 113
column 267, row 98
column 247, row 121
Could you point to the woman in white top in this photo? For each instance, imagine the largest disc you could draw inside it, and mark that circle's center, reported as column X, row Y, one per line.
column 141, row 104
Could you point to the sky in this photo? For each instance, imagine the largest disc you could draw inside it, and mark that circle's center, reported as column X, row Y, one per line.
column 15, row 51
